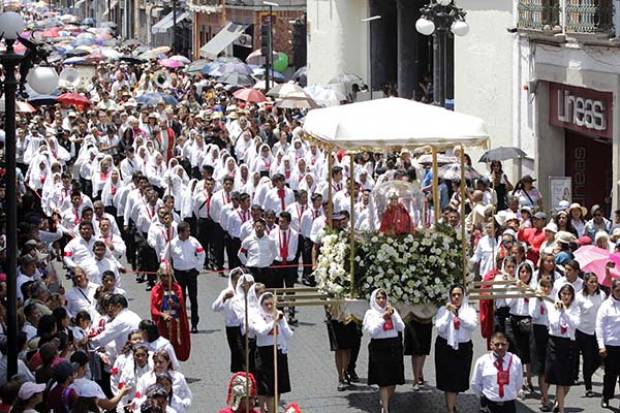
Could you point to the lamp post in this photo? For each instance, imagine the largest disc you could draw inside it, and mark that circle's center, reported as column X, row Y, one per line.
column 439, row 18
column 174, row 27
column 41, row 80
column 269, row 57
column 369, row 20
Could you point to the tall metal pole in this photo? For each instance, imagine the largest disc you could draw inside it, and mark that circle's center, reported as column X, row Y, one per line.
column 270, row 56
column 439, row 66
column 370, row 57
column 174, row 26
column 10, row 61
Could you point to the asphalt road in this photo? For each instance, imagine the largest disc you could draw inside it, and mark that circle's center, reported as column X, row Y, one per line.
column 311, row 367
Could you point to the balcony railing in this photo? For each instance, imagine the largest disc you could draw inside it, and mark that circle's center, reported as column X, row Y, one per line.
column 573, row 16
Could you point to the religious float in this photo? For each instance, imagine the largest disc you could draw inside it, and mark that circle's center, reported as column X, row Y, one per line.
column 406, row 251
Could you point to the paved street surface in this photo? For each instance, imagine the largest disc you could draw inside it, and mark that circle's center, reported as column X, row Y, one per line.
column 312, row 371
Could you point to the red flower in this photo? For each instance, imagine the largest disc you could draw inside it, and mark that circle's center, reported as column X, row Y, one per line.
column 114, row 371
column 121, row 385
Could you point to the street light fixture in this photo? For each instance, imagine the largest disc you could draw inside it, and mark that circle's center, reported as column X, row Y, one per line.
column 369, row 20
column 42, row 81
column 439, row 18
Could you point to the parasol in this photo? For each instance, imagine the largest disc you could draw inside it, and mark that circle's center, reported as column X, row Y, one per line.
column 441, row 159
column 259, row 73
column 74, row 99
column 452, row 172
column 594, row 259
column 154, row 53
column 43, row 100
column 181, row 59
column 250, row 95
column 257, row 58
column 236, row 79
column 156, row 98
column 171, row 63
column 502, row 153
column 196, row 66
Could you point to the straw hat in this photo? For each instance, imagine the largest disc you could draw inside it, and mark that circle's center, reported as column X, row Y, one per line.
column 576, row 205
column 565, row 237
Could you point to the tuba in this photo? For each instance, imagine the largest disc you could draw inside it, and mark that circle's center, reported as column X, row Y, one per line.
column 161, row 79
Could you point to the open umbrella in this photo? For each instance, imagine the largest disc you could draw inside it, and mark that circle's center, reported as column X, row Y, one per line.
column 452, row 172
column 502, row 153
column 156, row 98
column 181, row 59
column 154, row 53
column 20, row 106
column 257, row 58
column 300, row 76
column 236, row 79
column 441, row 159
column 89, row 21
column 594, row 259
column 288, row 91
column 74, row 99
column 259, row 73
column 171, row 63
column 250, row 95
column 131, row 60
column 41, row 100
column 196, row 66
column 228, row 59
column 297, row 103
column 76, row 60
column 241, row 68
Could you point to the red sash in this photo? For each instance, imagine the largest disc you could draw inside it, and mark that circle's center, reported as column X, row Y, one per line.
column 284, row 245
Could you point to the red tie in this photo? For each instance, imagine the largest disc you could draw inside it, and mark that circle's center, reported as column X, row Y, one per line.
column 284, row 245
column 281, row 196
column 227, row 198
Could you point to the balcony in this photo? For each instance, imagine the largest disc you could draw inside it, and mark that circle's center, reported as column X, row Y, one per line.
column 567, row 16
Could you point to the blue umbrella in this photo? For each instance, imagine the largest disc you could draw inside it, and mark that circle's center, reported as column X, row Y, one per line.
column 74, row 60
column 155, row 98
column 277, row 76
column 43, row 100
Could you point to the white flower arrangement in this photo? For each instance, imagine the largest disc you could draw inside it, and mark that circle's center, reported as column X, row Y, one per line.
column 414, row 268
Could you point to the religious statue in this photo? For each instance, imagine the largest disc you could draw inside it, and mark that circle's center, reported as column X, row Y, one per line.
column 396, row 219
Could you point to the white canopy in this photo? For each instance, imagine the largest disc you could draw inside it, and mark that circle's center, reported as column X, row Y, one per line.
column 393, row 123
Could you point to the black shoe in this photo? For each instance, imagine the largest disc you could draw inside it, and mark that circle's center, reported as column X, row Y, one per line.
column 605, row 404
column 353, row 377
column 141, row 279
column 556, row 407
column 590, row 393
column 342, row 385
column 293, row 321
column 194, row 330
column 149, row 287
column 305, row 281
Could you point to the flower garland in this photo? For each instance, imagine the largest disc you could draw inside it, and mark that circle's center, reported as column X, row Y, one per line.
column 331, row 271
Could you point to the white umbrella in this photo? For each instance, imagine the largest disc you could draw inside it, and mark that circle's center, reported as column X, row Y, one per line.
column 288, row 90
column 257, row 58
column 394, row 123
column 325, row 96
column 296, row 103
column 181, row 59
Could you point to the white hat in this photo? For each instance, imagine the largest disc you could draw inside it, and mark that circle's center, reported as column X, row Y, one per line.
column 600, row 235
column 552, row 227
column 29, row 389
column 88, row 388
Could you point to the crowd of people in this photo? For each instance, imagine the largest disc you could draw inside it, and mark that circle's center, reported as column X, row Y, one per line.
column 117, row 190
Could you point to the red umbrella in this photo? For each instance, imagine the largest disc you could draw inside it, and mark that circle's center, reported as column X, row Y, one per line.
column 76, row 99
column 250, row 95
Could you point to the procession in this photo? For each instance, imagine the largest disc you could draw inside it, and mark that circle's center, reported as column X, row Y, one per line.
column 185, row 234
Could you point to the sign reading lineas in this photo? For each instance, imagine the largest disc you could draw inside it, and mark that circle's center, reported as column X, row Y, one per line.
column 583, row 110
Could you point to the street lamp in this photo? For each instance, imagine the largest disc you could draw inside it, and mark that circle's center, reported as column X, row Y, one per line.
column 369, row 20
column 439, row 18
column 269, row 57
column 42, row 81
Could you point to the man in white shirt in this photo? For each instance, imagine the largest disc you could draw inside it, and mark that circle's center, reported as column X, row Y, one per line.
column 287, row 243
column 26, row 272
column 305, row 227
column 188, row 258
column 162, row 232
column 124, row 321
column 498, row 377
column 201, row 209
column 247, row 228
column 80, row 249
column 82, row 295
column 149, row 260
column 258, row 252
column 236, row 219
column 279, row 197
column 114, row 242
column 608, row 337
column 220, row 201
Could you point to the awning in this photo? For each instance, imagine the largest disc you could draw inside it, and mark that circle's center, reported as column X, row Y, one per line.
column 79, row 3
column 166, row 23
column 220, row 41
column 113, row 4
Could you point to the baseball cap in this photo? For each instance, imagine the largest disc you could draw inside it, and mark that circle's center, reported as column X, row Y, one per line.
column 540, row 215
column 29, row 389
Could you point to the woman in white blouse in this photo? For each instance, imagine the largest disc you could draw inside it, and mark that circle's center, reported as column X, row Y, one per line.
column 385, row 350
column 561, row 362
column 588, row 301
column 268, row 323
column 539, row 338
column 455, row 323
column 223, row 303
column 519, row 326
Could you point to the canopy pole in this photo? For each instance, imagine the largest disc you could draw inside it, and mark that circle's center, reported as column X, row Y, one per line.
column 463, row 233
column 275, row 354
column 436, row 208
column 352, row 234
column 330, row 207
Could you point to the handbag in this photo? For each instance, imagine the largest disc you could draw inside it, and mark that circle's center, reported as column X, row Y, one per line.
column 525, row 325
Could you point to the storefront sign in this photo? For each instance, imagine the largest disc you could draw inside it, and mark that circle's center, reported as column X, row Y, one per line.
column 583, row 110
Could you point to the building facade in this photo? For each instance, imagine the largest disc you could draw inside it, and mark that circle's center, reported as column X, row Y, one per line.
column 560, row 104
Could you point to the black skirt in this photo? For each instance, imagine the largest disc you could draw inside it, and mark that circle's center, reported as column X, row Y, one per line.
column 418, row 337
column 538, row 348
column 264, row 372
column 342, row 336
column 561, row 361
column 452, row 367
column 385, row 362
column 519, row 336
column 237, row 348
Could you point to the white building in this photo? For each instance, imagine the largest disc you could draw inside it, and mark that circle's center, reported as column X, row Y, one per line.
column 544, row 75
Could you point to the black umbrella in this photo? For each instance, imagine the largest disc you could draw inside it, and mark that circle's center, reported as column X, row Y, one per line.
column 43, row 100
column 502, row 153
column 236, row 79
column 131, row 60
